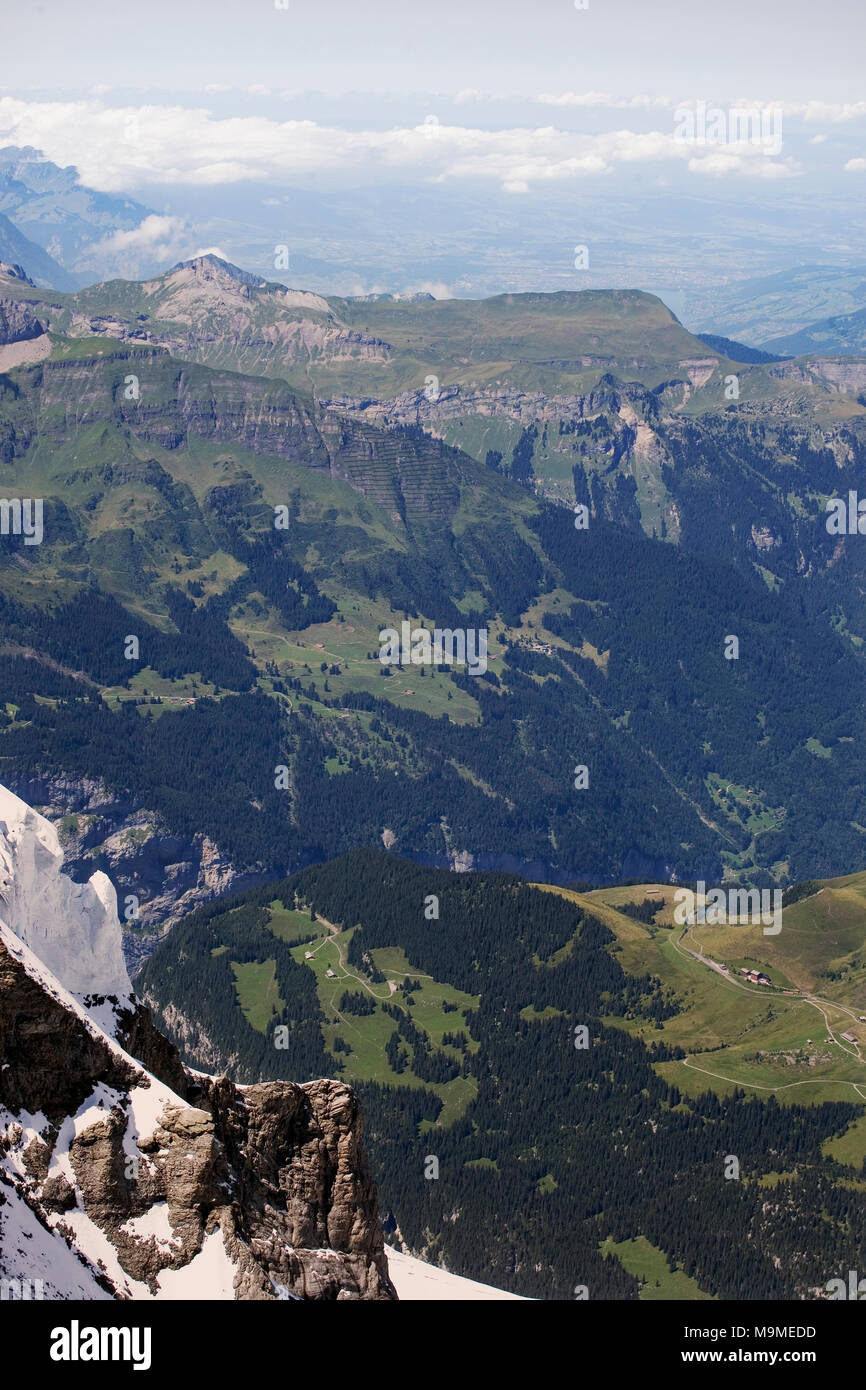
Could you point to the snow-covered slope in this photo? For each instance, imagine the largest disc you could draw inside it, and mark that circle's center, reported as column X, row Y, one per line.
column 416, row 1281
column 72, row 928
column 120, row 1180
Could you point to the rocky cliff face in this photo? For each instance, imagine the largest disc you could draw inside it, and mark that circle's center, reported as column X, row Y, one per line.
column 123, row 1175
column 415, row 478
column 17, row 322
column 638, row 458
column 158, row 876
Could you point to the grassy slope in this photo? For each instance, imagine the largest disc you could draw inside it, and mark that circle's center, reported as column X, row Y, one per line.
column 650, row 1266
column 724, row 1023
column 367, row 1034
column 735, row 1034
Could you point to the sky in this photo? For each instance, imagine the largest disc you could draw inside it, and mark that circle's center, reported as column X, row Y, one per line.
column 218, row 115
column 215, row 92
column 791, row 49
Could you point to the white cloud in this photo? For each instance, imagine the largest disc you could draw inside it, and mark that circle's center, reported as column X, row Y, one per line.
column 640, row 101
column 156, row 235
column 855, row 166
column 154, row 239
column 121, row 148
column 834, row 111
column 575, row 98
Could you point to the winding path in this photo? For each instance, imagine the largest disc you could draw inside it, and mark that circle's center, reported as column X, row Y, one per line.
column 803, row 996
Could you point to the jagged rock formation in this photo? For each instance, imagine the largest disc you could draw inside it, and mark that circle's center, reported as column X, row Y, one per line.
column 213, row 310
column 124, row 1175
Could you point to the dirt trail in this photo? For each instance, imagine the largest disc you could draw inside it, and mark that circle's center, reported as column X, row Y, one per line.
column 802, row 995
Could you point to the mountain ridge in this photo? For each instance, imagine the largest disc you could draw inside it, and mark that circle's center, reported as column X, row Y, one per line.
column 194, row 1192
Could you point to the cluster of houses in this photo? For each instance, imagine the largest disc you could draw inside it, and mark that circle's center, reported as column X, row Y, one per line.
column 757, row 977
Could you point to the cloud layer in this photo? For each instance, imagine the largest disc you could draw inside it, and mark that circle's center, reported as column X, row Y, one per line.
column 121, row 148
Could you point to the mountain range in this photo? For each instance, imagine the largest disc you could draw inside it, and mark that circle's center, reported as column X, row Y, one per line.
column 70, row 230
column 841, row 333
column 15, row 248
column 767, row 310
column 163, row 476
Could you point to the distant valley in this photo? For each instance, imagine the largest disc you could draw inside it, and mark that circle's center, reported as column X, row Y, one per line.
column 258, row 647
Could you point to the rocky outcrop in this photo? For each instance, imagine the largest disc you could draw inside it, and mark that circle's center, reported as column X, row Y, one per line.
column 309, row 1213
column 17, row 322
column 210, row 311
column 16, row 272
column 159, row 1182
column 456, row 402
column 23, row 338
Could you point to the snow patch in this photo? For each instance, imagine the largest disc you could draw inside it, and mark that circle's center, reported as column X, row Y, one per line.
column 416, row 1281
column 209, row 1275
column 154, row 1224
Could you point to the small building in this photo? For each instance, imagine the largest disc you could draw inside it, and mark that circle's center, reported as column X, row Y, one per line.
column 308, row 955
column 849, row 1037
column 331, row 974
